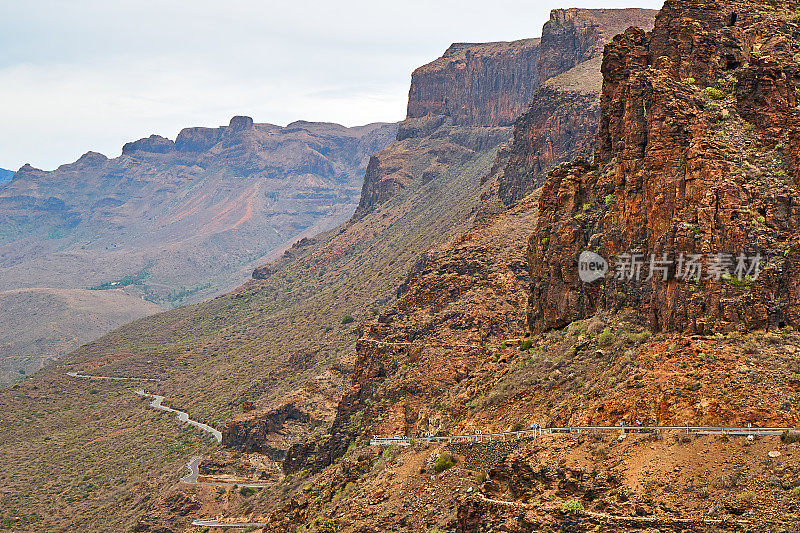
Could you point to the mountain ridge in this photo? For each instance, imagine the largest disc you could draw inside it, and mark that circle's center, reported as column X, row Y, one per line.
column 165, row 210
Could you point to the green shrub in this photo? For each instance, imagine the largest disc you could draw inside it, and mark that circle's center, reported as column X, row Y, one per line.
column 572, row 506
column 610, row 199
column 347, row 319
column 480, row 478
column 639, row 338
column 246, row 492
column 796, row 492
column 518, row 426
column 328, row 526
column 389, row 451
column 443, row 462
column 796, row 18
column 525, row 345
column 606, row 337
column 714, row 93
column 689, row 81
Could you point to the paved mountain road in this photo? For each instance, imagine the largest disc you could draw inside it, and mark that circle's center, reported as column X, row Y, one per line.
column 194, row 473
column 183, row 417
column 237, row 525
column 107, row 378
column 156, row 403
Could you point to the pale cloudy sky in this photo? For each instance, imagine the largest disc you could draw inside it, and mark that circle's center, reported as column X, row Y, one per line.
column 85, row 75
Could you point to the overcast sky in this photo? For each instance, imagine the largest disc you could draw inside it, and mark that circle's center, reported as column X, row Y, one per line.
column 85, row 75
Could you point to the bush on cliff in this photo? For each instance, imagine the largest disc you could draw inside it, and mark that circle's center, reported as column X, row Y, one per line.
column 714, row 93
column 443, row 462
column 606, row 337
column 572, row 506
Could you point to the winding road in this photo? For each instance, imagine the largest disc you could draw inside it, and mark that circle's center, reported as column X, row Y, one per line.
column 238, row 525
column 107, row 378
column 156, row 403
column 183, row 417
column 194, row 473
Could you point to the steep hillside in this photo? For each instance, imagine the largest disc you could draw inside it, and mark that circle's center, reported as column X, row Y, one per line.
column 40, row 325
column 283, row 339
column 176, row 221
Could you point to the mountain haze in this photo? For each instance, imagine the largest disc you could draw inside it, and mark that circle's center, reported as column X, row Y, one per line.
column 177, row 221
column 5, row 176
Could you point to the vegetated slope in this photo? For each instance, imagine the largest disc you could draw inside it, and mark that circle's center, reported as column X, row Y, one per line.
column 463, row 373
column 280, row 339
column 40, row 325
column 177, row 221
column 5, row 176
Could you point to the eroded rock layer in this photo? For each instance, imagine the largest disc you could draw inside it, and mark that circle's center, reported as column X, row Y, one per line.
column 695, row 155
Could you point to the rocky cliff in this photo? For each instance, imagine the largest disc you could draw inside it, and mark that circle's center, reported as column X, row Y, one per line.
column 695, row 169
column 573, row 36
column 477, row 84
column 561, row 122
column 460, row 104
column 473, row 94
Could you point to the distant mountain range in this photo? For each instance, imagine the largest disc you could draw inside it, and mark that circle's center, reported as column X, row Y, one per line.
column 177, row 221
column 5, row 176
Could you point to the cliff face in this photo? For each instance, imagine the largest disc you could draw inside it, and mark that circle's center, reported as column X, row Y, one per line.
column 561, row 121
column 560, row 125
column 487, row 84
column 183, row 218
column 573, row 36
column 696, row 155
column 459, row 105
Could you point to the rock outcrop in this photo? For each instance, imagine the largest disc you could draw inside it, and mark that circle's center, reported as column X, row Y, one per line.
column 695, row 160
column 258, row 432
column 561, row 122
column 573, row 36
column 486, row 84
